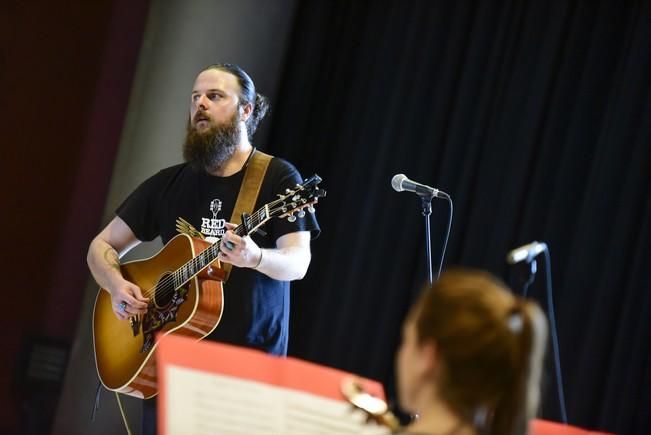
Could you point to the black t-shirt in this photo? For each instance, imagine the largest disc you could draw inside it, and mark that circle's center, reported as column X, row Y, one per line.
column 256, row 307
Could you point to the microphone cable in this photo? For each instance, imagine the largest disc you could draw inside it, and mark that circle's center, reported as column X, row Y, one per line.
column 532, row 250
column 554, row 337
column 447, row 234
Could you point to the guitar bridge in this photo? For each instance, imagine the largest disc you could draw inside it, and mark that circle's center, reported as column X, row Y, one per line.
column 156, row 317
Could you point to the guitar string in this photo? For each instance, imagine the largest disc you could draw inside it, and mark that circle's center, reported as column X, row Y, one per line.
column 200, row 262
column 173, row 280
column 168, row 284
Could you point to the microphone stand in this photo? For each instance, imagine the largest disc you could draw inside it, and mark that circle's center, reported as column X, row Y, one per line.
column 533, row 268
column 426, row 205
column 401, row 183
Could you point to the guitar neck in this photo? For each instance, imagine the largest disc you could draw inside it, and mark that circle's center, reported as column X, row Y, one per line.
column 203, row 259
column 292, row 201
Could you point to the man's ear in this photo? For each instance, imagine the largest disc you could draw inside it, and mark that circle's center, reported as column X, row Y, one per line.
column 246, row 111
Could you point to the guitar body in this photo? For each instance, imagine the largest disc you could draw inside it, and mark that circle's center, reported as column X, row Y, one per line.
column 183, row 283
column 124, row 349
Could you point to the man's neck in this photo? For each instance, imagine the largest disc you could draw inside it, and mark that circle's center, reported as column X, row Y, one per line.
column 236, row 162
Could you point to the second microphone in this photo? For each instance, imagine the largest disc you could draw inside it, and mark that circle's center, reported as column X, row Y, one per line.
column 401, row 183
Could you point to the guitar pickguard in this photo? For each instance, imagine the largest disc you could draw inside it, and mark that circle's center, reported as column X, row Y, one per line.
column 156, row 317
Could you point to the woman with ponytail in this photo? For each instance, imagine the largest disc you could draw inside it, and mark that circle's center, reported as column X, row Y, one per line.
column 470, row 359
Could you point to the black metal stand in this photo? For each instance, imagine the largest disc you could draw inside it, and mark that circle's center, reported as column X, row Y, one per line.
column 426, row 204
column 552, row 325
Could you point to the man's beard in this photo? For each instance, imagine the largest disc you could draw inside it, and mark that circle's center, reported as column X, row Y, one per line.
column 211, row 148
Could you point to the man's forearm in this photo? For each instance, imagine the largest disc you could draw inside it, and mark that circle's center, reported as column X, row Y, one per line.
column 284, row 264
column 104, row 264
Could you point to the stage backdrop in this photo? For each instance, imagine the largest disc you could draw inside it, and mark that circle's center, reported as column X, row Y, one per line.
column 536, row 118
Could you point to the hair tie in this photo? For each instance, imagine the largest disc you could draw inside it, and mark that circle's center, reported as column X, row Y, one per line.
column 515, row 321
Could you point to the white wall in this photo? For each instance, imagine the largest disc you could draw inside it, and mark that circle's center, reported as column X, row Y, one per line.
column 181, row 37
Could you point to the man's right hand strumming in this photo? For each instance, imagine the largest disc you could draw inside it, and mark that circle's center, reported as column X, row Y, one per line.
column 103, row 261
column 127, row 300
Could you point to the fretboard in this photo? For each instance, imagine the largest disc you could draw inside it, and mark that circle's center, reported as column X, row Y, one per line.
column 201, row 261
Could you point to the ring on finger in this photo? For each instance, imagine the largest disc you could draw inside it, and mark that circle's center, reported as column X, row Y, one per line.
column 229, row 245
column 123, row 306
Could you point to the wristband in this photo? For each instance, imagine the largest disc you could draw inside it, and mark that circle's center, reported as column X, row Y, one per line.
column 259, row 261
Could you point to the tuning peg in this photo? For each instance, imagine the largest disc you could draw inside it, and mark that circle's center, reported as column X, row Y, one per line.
column 291, row 218
column 301, row 213
column 311, row 209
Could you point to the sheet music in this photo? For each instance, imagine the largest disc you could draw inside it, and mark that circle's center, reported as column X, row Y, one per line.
column 210, row 388
column 202, row 403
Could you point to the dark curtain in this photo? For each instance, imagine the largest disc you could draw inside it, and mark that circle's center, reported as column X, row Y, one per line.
column 535, row 116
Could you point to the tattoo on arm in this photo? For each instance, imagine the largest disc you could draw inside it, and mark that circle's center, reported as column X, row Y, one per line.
column 111, row 258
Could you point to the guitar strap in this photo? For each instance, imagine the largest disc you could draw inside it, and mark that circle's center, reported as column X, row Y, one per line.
column 256, row 168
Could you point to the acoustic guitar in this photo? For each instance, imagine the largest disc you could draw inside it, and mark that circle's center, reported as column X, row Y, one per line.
column 184, row 284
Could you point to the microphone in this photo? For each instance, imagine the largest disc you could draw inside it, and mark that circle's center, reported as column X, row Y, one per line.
column 401, row 183
column 526, row 252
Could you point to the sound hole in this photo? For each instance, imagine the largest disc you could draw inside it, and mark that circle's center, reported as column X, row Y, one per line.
column 166, row 303
column 164, row 291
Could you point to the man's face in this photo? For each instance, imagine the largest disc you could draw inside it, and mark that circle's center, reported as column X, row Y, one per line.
column 214, row 99
column 216, row 124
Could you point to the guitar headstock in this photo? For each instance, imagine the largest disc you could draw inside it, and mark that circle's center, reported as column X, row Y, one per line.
column 296, row 200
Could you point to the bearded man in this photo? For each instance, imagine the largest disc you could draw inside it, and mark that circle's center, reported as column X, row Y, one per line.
column 225, row 111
